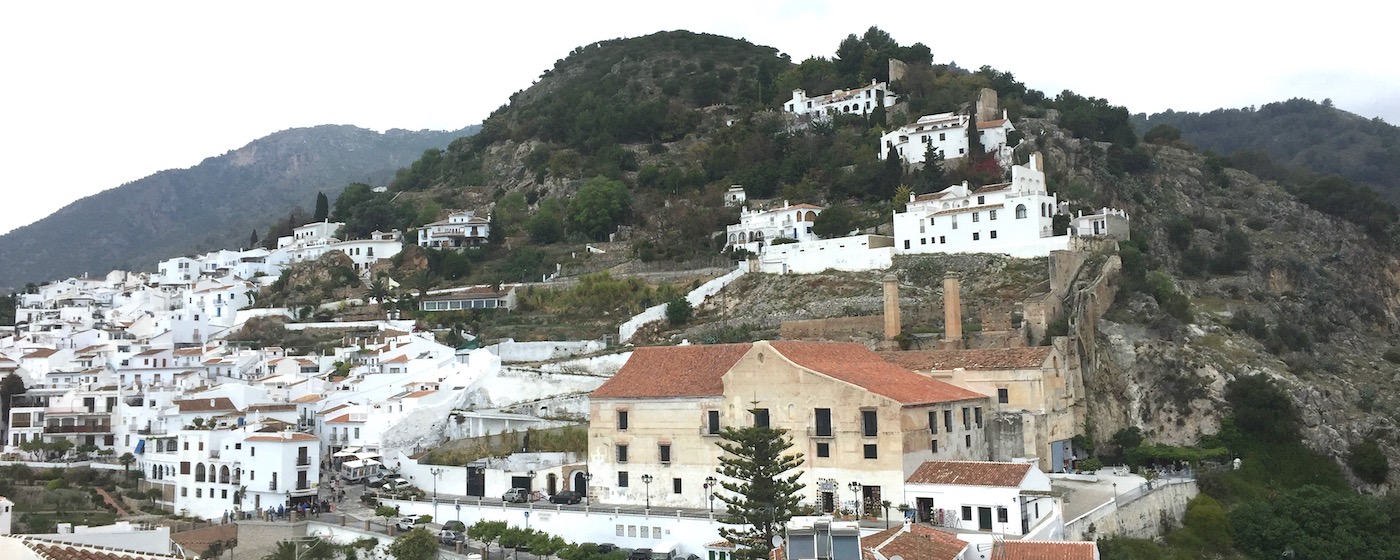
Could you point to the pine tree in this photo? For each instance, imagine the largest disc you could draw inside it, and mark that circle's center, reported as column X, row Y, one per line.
column 760, row 496
column 934, row 176
column 253, row 239
column 323, row 208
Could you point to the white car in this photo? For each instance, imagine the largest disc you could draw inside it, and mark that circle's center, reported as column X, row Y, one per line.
column 406, row 523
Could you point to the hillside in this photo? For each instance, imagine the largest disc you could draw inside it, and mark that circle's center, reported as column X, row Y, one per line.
column 213, row 205
column 1298, row 133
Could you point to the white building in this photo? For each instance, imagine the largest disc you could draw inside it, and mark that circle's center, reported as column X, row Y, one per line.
column 1006, row 498
column 858, row 101
column 735, row 196
column 946, row 133
column 1109, row 222
column 462, row 228
column 366, row 252
column 1015, row 218
column 759, row 228
column 852, row 254
column 7, row 512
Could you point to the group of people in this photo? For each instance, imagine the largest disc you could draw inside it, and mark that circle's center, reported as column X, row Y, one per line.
column 297, row 512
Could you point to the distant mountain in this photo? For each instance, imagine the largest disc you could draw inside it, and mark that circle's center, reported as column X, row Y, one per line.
column 213, row 205
column 1300, row 133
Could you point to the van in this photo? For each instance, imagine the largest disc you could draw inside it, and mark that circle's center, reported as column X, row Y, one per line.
column 664, row 551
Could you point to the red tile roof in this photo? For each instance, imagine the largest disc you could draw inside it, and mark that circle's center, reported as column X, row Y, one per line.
column 66, row 551
column 991, row 124
column 673, row 371
column 992, row 188
column 283, row 436
column 220, row 404
column 418, row 394
column 981, row 358
column 272, row 407
column 970, row 473
column 1051, row 550
column 344, row 419
column 857, row 365
column 914, row 541
column 40, row 353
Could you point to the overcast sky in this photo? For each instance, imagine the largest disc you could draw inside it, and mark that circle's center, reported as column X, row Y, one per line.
column 97, row 94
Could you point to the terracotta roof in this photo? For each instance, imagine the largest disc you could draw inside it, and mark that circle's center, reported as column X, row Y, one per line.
column 93, row 348
column 981, row 358
column 673, row 371
column 67, row 551
column 914, row 541
column 991, row 124
column 857, row 365
column 307, row 398
column 220, row 404
column 400, row 359
column 970, row 473
column 271, row 407
column 333, row 409
column 992, row 188
column 189, row 351
column 344, row 419
column 284, row 436
column 966, row 209
column 418, row 394
column 930, row 196
column 151, row 352
column 40, row 353
column 1051, row 550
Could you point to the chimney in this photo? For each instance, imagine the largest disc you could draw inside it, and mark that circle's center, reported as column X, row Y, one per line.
column 952, row 310
column 892, row 319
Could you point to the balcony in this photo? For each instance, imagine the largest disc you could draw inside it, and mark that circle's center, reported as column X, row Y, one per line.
column 151, row 431
column 812, row 431
column 85, row 429
column 272, row 486
column 75, row 412
column 303, row 461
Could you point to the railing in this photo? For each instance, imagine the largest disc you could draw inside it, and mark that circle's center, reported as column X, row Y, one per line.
column 94, row 429
column 272, row 486
column 303, row 461
column 151, row 431
column 74, row 412
column 812, row 431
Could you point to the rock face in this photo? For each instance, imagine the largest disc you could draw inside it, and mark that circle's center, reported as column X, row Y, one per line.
column 1314, row 306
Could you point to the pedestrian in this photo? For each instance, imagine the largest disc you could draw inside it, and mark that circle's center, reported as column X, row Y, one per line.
column 281, row 511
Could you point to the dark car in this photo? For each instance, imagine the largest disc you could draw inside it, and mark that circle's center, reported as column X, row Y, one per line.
column 455, row 526
column 566, row 497
column 449, row 537
column 640, row 554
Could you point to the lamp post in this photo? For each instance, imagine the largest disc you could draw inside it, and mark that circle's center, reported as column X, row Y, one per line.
column 710, row 489
column 531, row 474
column 587, row 481
column 646, row 479
column 855, row 496
column 436, row 472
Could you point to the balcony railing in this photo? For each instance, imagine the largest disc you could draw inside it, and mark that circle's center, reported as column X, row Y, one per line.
column 303, row 461
column 272, row 486
column 151, row 431
column 93, row 429
column 75, row 412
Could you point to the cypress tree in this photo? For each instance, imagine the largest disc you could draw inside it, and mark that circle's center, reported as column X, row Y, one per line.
column 323, row 208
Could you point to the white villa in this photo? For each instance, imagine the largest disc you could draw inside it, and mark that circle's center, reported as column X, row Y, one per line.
column 462, row 228
column 758, row 228
column 859, row 101
column 1014, row 218
column 947, row 133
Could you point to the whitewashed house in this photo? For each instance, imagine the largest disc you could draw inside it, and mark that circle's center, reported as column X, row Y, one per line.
column 1006, row 498
column 177, row 271
column 462, row 228
column 1109, row 222
column 367, row 252
column 858, row 101
column 946, row 133
column 759, row 228
column 855, row 253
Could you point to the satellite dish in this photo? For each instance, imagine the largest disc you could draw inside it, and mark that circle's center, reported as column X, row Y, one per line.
column 777, row 541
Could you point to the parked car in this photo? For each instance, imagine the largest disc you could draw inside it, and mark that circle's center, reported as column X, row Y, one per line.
column 406, row 523
column 451, row 537
column 516, row 496
column 455, row 525
column 606, row 547
column 566, row 497
column 396, row 483
column 640, row 554
column 375, row 480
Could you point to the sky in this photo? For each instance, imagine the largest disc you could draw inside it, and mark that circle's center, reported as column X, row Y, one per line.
column 97, row 94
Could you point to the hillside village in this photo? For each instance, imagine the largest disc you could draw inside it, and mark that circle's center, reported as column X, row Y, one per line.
column 971, row 440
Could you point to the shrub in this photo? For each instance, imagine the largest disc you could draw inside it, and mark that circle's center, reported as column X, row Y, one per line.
column 1368, row 461
column 679, row 312
column 1091, row 464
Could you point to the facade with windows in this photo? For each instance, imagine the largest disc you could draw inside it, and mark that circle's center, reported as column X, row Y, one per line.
column 758, row 229
column 855, row 418
column 475, row 297
column 462, row 228
column 1006, row 498
column 946, row 133
column 858, row 101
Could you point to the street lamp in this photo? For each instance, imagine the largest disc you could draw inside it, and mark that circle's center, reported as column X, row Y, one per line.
column 587, row 481
column 646, row 479
column 855, row 495
column 710, row 489
column 436, row 472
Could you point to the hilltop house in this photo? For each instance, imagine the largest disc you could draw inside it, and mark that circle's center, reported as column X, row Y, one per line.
column 946, row 133
column 855, row 418
column 462, row 228
column 1006, row 498
column 759, row 228
column 858, row 101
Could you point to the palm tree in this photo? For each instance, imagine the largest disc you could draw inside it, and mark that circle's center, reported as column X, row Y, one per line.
column 378, row 291
column 126, row 460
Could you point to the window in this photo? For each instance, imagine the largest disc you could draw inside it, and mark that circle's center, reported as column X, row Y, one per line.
column 976, row 216
column 942, row 239
column 955, row 221
column 968, row 441
column 238, row 446
column 823, row 421
column 967, row 418
column 201, row 446
column 994, row 234
column 823, row 449
column 223, row 494
column 933, row 421
column 622, row 420
column 253, row 451
column 933, row 444
column 1020, row 211
column 975, row 236
column 199, row 492
column 981, row 200
column 992, row 215
column 947, row 420
column 184, row 467
column 967, row 513
column 869, row 423
column 760, row 417
column 184, row 492
column 675, row 486
column 871, row 452
column 712, row 421
column 619, row 530
column 665, row 452
column 1001, row 515
column 187, row 446
column 942, row 136
column 923, row 241
column 622, row 453
column 1003, row 395
column 621, row 479
column 906, row 243
column 977, row 412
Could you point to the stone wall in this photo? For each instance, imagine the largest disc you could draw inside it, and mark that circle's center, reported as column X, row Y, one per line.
column 1142, row 518
column 835, row 328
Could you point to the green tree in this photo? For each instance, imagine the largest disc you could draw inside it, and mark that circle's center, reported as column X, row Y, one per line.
column 545, row 228
column 1262, row 410
column 1368, row 461
column 417, row 544
column 836, row 221
column 933, row 177
column 487, row 532
column 378, row 290
column 679, row 311
column 126, row 460
column 1163, row 134
column 10, row 386
column 901, row 197
column 253, row 239
column 601, row 204
column 323, row 208
column 761, row 487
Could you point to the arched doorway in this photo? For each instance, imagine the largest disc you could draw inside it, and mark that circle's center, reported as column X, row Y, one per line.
column 580, row 483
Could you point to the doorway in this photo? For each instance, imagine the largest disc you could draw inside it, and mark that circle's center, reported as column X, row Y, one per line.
column 828, row 501
column 551, row 484
column 871, row 501
column 925, row 513
column 984, row 519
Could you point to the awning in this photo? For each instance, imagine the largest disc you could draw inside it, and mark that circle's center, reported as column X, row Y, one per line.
column 366, row 455
column 348, row 452
column 359, row 464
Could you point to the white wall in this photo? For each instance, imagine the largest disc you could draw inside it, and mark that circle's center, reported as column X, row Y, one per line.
column 658, row 312
column 855, row 254
column 512, row 351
